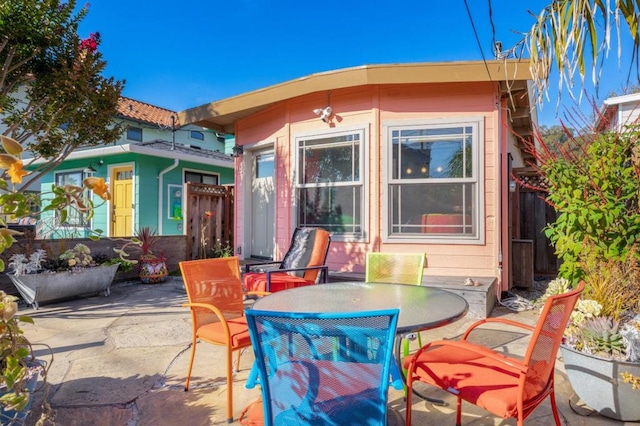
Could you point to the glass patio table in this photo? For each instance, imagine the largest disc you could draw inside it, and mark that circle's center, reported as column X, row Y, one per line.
column 421, row 307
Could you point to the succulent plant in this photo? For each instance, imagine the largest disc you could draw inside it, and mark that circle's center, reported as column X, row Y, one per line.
column 601, row 336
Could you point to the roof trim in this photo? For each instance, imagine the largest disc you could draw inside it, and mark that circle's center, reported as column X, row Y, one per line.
column 221, row 115
column 145, row 150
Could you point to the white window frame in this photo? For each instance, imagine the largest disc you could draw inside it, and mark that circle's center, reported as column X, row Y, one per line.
column 87, row 193
column 363, row 132
column 478, row 140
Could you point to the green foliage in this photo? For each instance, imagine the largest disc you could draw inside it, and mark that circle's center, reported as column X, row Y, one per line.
column 596, row 194
column 222, row 250
column 574, row 37
column 68, row 101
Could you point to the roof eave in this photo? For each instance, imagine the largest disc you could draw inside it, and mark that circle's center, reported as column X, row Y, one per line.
column 221, row 115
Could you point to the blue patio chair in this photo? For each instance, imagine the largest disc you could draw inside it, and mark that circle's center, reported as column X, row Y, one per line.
column 323, row 368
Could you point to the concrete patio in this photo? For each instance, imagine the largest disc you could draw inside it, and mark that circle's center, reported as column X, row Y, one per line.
column 122, row 360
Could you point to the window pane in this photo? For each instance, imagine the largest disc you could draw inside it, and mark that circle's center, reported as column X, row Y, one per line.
column 74, row 217
column 134, row 133
column 265, row 166
column 195, row 177
column 326, row 160
column 337, row 209
column 195, row 134
column 421, row 209
column 429, row 153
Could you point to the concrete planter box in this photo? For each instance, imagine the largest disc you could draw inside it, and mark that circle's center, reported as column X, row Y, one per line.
column 598, row 383
column 42, row 288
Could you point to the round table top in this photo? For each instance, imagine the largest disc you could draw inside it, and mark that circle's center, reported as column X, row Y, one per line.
column 420, row 307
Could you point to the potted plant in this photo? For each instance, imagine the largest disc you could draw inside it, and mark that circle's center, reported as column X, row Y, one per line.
column 601, row 349
column 152, row 268
column 74, row 273
column 20, row 368
column 593, row 182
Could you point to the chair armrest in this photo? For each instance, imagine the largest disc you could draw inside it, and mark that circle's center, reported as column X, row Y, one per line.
column 498, row 321
column 509, row 363
column 257, row 293
column 324, row 272
column 217, row 312
column 248, row 266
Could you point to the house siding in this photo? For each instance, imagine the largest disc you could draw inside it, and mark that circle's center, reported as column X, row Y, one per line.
column 369, row 107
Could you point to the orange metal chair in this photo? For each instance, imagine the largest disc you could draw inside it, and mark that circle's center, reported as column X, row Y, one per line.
column 504, row 385
column 302, row 265
column 215, row 297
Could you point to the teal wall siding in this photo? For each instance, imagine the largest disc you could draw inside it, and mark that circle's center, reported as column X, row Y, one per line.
column 146, row 170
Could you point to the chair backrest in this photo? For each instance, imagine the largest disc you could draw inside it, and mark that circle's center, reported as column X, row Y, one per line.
column 330, row 369
column 309, row 247
column 215, row 282
column 546, row 339
column 398, row 268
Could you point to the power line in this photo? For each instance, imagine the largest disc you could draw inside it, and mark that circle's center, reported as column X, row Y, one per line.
column 477, row 39
column 493, row 27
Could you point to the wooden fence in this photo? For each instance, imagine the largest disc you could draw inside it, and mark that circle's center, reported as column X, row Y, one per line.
column 209, row 213
column 531, row 216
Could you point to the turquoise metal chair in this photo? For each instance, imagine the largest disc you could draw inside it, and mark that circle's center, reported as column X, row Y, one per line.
column 321, row 368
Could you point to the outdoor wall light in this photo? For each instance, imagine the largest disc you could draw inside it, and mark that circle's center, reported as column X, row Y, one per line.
column 324, row 113
column 89, row 170
column 237, row 151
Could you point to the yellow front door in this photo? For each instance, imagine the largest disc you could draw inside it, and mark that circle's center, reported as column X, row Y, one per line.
column 122, row 206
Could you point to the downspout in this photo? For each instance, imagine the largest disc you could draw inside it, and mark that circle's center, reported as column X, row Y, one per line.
column 160, row 197
column 503, row 173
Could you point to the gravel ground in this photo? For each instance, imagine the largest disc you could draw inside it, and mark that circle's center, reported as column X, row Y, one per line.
column 525, row 298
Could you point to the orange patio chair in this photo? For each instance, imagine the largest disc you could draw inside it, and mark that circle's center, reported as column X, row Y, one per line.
column 215, row 297
column 303, row 264
column 502, row 384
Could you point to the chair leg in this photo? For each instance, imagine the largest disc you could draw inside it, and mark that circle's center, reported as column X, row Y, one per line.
column 459, row 411
column 229, row 385
column 193, row 354
column 408, row 396
column 238, row 360
column 554, row 407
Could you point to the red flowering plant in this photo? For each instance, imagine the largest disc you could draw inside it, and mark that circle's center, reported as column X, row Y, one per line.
column 90, row 44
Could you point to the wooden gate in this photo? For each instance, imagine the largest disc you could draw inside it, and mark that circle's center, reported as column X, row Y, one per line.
column 209, row 212
column 531, row 214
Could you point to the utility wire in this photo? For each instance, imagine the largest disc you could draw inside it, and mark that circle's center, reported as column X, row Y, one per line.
column 477, row 39
column 493, row 27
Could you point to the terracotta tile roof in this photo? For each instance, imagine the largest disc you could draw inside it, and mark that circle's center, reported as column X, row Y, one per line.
column 140, row 111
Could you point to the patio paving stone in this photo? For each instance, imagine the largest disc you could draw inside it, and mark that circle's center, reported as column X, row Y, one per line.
column 122, row 360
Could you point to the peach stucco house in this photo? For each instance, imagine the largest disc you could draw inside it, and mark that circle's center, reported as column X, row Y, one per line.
column 409, row 158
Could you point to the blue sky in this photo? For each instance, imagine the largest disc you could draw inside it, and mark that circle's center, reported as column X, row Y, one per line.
column 179, row 55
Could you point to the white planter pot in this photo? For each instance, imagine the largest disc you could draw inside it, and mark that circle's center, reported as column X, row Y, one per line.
column 42, row 288
column 598, row 383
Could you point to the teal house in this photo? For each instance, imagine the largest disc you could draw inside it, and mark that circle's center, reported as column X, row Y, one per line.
column 146, row 170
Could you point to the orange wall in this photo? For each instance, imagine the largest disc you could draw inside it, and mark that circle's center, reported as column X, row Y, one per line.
column 371, row 106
